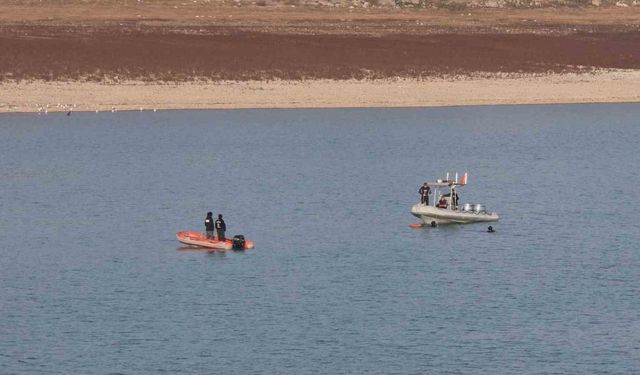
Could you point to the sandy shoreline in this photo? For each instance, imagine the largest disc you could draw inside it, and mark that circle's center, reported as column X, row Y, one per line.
column 604, row 87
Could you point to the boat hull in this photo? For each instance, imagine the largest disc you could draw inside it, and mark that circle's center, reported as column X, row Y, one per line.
column 429, row 214
column 193, row 238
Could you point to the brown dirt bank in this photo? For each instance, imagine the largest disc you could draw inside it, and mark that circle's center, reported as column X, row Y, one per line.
column 172, row 40
column 223, row 53
column 313, row 19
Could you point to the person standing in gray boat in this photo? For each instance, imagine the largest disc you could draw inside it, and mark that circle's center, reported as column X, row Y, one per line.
column 424, row 191
column 454, row 198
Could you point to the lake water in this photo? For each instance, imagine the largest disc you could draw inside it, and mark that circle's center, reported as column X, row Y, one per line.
column 93, row 280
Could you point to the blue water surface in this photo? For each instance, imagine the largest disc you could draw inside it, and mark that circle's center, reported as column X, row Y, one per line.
column 93, row 281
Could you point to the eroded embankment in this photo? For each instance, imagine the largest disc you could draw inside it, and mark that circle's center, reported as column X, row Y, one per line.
column 169, row 54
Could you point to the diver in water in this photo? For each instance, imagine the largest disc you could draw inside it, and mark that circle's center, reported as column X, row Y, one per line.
column 424, row 191
column 220, row 228
column 208, row 225
column 490, row 229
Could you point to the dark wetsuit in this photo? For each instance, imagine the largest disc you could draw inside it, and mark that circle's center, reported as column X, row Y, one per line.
column 424, row 191
column 220, row 228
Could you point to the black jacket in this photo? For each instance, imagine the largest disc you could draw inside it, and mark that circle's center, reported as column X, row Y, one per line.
column 220, row 224
column 424, row 190
column 208, row 223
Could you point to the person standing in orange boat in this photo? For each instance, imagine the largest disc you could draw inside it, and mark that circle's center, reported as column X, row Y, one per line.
column 220, row 228
column 208, row 225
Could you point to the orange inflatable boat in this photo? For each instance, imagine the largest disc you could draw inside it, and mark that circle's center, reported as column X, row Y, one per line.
column 194, row 238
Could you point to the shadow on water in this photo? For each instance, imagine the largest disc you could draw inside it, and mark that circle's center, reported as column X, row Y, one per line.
column 195, row 249
column 447, row 228
column 456, row 230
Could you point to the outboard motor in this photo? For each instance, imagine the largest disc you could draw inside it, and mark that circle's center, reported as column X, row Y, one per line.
column 238, row 242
